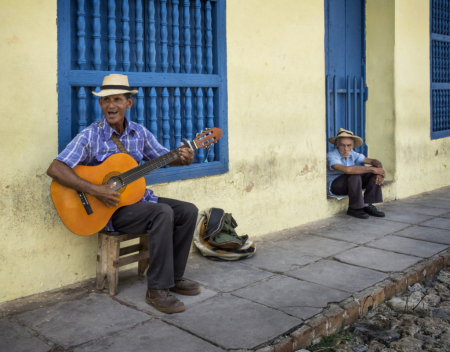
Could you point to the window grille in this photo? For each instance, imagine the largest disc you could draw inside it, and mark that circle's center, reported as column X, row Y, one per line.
column 173, row 52
column 440, row 68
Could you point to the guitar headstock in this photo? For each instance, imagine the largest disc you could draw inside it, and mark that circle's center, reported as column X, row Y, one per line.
column 206, row 138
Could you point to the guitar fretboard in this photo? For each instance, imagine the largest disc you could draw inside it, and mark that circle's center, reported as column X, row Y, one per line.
column 150, row 166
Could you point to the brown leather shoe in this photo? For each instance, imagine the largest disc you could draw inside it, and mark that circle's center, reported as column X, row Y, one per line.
column 186, row 287
column 164, row 301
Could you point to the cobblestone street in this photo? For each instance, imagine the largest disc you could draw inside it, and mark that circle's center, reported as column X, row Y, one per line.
column 418, row 320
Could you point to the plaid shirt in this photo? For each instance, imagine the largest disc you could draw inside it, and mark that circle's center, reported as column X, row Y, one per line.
column 94, row 144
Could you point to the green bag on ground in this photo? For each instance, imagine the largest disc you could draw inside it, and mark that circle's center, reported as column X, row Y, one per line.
column 215, row 236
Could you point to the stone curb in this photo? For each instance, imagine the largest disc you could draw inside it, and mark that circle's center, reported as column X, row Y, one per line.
column 351, row 309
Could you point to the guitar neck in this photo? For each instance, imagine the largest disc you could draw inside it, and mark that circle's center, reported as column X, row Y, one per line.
column 203, row 140
column 150, row 166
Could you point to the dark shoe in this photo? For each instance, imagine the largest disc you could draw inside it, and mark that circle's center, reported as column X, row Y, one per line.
column 373, row 211
column 164, row 301
column 357, row 213
column 186, row 287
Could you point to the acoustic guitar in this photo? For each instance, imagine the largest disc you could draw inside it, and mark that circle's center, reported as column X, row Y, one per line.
column 85, row 215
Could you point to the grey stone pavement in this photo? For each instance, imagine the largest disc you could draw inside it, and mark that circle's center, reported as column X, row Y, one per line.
column 243, row 305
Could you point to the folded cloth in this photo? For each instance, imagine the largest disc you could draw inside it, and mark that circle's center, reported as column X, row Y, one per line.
column 337, row 197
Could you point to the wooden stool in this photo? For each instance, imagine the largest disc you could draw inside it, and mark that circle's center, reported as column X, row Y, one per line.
column 109, row 261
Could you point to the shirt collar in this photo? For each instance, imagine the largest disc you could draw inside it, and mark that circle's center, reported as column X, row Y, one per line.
column 108, row 130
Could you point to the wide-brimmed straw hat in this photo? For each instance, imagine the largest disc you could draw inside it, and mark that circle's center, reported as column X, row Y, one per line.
column 346, row 134
column 115, row 84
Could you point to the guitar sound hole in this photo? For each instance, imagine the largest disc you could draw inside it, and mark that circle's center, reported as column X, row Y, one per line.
column 118, row 182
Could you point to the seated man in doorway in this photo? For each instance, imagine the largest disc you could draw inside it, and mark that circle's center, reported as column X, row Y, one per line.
column 170, row 223
column 347, row 175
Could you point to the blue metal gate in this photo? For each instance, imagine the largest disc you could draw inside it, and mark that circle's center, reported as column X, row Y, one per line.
column 346, row 90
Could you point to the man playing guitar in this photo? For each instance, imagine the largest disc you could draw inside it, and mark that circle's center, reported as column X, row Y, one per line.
column 170, row 223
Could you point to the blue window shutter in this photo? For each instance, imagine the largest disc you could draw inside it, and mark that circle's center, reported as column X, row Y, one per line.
column 173, row 52
column 440, row 70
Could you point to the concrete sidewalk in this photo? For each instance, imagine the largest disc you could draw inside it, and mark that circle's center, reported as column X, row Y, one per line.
column 295, row 275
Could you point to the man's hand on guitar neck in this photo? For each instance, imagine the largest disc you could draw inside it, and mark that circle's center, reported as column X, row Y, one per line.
column 65, row 176
column 186, row 157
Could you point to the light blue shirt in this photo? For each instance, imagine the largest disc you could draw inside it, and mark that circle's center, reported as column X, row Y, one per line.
column 334, row 158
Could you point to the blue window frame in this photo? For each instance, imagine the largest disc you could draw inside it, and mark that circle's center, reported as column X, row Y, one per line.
column 440, row 68
column 173, row 52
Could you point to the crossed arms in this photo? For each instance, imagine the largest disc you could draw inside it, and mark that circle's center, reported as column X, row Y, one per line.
column 376, row 168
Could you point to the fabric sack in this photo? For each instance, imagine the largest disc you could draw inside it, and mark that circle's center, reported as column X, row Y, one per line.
column 215, row 236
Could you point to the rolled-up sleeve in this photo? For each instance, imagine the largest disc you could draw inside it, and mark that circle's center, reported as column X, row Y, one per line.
column 359, row 158
column 76, row 152
column 332, row 159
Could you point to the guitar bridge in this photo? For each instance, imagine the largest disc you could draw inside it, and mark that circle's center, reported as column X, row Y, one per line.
column 85, row 203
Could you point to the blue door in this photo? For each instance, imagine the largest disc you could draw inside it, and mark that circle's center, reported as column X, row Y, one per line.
column 346, row 90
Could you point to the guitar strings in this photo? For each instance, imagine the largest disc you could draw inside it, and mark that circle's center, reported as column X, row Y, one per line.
column 150, row 166
column 160, row 161
column 130, row 174
column 144, row 169
column 140, row 171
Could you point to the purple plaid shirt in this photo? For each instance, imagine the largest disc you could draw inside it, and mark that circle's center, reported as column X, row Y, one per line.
column 94, row 144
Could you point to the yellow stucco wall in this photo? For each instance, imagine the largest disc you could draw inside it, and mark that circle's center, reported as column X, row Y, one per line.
column 422, row 164
column 36, row 252
column 276, row 136
column 398, row 109
column 276, row 107
column 380, row 108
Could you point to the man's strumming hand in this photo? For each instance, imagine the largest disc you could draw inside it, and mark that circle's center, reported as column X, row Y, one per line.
column 106, row 194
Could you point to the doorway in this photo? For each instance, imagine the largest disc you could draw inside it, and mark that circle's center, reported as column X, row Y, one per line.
column 345, row 68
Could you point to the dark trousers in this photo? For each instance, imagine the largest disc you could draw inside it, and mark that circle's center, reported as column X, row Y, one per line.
column 170, row 225
column 352, row 186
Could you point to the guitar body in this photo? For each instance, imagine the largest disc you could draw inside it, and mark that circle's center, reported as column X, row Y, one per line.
column 85, row 215
column 70, row 208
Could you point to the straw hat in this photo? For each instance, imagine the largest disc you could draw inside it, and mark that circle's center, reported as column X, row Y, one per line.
column 115, row 84
column 346, row 134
